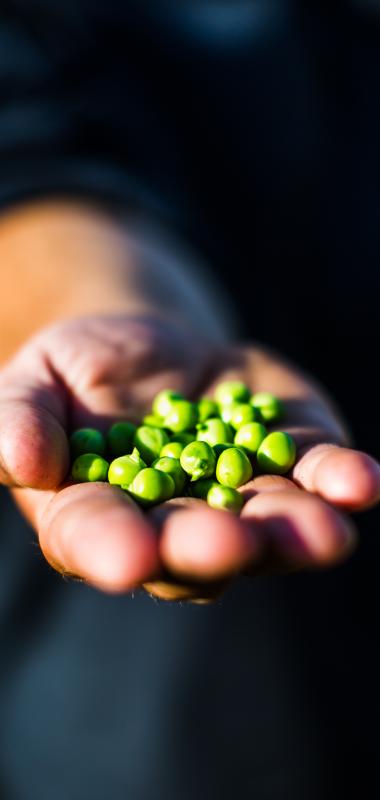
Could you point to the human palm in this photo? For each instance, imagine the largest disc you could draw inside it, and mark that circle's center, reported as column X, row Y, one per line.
column 95, row 370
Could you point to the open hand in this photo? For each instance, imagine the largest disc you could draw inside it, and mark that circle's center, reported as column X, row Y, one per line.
column 95, row 370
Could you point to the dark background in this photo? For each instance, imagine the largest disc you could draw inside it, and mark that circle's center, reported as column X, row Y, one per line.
column 252, row 130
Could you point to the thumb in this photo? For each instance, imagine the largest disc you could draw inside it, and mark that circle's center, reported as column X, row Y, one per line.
column 34, row 449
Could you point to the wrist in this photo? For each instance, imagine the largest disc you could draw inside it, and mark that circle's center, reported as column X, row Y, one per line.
column 66, row 258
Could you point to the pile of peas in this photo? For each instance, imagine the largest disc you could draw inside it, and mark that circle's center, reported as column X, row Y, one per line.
column 203, row 449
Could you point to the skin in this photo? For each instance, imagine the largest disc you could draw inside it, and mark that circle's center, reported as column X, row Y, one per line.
column 106, row 365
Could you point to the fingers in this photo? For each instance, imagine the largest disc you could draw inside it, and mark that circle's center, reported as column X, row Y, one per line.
column 202, row 544
column 94, row 531
column 346, row 478
column 33, row 443
column 299, row 529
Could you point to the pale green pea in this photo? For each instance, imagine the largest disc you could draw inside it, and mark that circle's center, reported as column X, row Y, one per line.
column 172, row 449
column 89, row 467
column 149, row 442
column 198, row 460
column 151, row 486
column 250, row 436
column 163, row 401
column 268, row 405
column 214, row 431
column 225, row 498
column 242, row 414
column 233, row 468
column 120, row 438
column 87, row 440
column 277, row 453
column 206, row 408
column 172, row 467
column 231, row 392
column 182, row 416
column 123, row 470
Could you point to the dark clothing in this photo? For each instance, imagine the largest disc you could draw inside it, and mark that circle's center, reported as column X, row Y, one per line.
column 253, row 129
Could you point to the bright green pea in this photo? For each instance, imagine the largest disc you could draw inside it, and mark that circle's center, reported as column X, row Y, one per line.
column 163, row 401
column 151, row 486
column 277, row 453
column 233, row 467
column 172, row 467
column 124, row 469
column 242, row 414
column 225, row 498
column 206, row 408
column 198, row 460
column 185, row 438
column 120, row 438
column 214, row 431
column 172, row 450
column 201, row 488
column 87, row 440
column 221, row 447
column 226, row 412
column 153, row 421
column 231, row 392
column 268, row 405
column 150, row 441
column 89, row 467
column 182, row 416
column 250, row 436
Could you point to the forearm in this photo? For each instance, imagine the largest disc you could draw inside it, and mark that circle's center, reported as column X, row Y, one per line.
column 66, row 258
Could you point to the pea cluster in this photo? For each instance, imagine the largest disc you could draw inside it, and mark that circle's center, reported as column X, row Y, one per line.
column 204, row 449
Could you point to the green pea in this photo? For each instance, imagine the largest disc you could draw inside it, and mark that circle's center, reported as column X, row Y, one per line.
column 172, row 450
column 231, row 392
column 163, row 401
column 151, row 486
column 233, row 467
column 198, row 460
column 268, row 405
column 201, row 488
column 250, row 436
column 172, row 467
column 122, row 470
column 226, row 412
column 87, row 440
column 120, row 438
column 221, row 447
column 225, row 498
column 153, row 421
column 182, row 416
column 242, row 414
column 89, row 467
column 214, row 431
column 150, row 441
column 277, row 453
column 206, row 408
column 185, row 438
